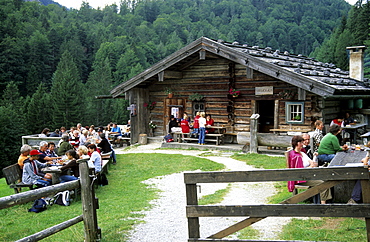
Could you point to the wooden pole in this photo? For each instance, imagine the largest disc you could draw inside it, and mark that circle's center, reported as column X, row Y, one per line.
column 89, row 203
column 253, row 129
column 191, row 199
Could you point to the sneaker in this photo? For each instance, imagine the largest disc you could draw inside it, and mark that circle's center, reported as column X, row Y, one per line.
column 351, row 201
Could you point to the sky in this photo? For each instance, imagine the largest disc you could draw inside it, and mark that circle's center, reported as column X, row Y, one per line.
column 76, row 4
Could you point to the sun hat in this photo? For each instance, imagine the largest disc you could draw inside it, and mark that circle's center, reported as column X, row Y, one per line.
column 35, row 152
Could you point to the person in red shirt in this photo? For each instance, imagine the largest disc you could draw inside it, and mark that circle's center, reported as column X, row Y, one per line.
column 185, row 127
column 196, row 125
column 209, row 122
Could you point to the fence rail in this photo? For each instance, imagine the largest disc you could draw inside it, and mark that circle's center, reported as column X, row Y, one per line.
column 89, row 205
column 287, row 208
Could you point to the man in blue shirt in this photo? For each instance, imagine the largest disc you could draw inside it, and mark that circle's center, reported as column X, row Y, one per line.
column 116, row 132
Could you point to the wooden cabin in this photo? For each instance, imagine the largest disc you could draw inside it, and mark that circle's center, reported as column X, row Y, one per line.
column 288, row 91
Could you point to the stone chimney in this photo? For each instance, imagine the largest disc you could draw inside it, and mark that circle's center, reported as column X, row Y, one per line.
column 356, row 62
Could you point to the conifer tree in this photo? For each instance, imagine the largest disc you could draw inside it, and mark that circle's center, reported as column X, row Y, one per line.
column 99, row 111
column 66, row 93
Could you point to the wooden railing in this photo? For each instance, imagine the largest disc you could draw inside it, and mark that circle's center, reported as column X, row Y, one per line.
column 287, row 208
column 89, row 205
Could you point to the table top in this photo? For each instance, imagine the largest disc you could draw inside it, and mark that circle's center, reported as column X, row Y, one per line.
column 292, row 130
column 351, row 156
column 52, row 169
column 354, row 126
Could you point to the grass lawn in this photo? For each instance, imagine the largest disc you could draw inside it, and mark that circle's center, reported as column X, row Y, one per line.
column 126, row 194
column 118, row 201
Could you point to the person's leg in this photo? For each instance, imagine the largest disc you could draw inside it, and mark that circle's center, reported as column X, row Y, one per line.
column 202, row 135
column 43, row 182
column 67, row 178
column 113, row 156
column 324, row 159
column 357, row 192
column 325, row 195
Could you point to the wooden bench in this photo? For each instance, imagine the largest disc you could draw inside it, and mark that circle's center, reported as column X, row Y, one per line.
column 219, row 138
column 122, row 140
column 230, row 137
column 13, row 177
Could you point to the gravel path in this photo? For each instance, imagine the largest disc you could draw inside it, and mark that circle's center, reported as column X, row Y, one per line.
column 166, row 220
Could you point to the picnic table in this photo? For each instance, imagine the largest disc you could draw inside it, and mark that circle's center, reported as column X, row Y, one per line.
column 354, row 128
column 342, row 192
column 348, row 158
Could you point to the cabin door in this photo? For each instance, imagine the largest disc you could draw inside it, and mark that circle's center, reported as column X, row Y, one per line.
column 265, row 108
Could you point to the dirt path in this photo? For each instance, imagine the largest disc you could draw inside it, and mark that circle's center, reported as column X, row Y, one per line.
column 166, row 221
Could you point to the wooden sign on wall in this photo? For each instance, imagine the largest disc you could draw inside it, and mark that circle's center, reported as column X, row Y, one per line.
column 266, row 90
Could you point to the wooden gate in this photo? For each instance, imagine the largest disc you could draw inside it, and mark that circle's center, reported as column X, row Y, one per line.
column 287, row 208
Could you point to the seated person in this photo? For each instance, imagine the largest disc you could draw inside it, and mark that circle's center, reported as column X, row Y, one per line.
column 43, row 158
column 75, row 139
column 116, row 132
column 127, row 132
column 348, row 134
column 73, row 165
column 172, row 123
column 298, row 159
column 84, row 137
column 31, row 171
column 25, row 151
column 306, row 145
column 339, row 121
column 95, row 157
column 329, row 145
column 184, row 123
column 209, row 122
column 65, row 145
column 56, row 133
column 51, row 150
column 44, row 133
column 106, row 147
column 63, row 130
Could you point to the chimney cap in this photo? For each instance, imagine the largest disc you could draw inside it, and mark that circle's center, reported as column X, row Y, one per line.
column 356, row 47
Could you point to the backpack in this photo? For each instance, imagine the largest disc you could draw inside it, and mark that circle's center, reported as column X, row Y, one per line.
column 38, row 206
column 168, row 138
column 62, row 198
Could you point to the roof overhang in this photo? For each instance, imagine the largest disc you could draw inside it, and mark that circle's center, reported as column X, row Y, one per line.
column 233, row 54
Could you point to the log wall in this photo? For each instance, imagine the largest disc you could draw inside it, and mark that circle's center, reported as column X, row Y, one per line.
column 211, row 78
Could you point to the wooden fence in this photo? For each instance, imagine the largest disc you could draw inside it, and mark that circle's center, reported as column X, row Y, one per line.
column 287, row 208
column 89, row 205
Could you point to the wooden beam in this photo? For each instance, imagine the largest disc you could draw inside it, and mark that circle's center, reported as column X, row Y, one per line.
column 249, row 73
column 280, row 210
column 298, row 174
column 161, row 76
column 301, row 94
column 202, row 54
column 173, row 74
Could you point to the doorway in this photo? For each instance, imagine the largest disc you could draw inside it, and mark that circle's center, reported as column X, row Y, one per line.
column 265, row 108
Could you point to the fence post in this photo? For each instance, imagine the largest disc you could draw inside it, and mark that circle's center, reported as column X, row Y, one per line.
column 191, row 199
column 89, row 203
column 253, row 130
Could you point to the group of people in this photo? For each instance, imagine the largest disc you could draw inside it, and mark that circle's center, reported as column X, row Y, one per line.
column 201, row 125
column 79, row 143
column 324, row 150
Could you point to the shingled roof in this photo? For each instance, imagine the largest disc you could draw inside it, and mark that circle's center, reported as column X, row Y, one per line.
column 323, row 79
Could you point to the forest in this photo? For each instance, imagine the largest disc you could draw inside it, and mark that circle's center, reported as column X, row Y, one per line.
column 54, row 61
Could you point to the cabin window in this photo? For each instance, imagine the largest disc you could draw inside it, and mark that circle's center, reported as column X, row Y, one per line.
column 198, row 107
column 294, row 112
